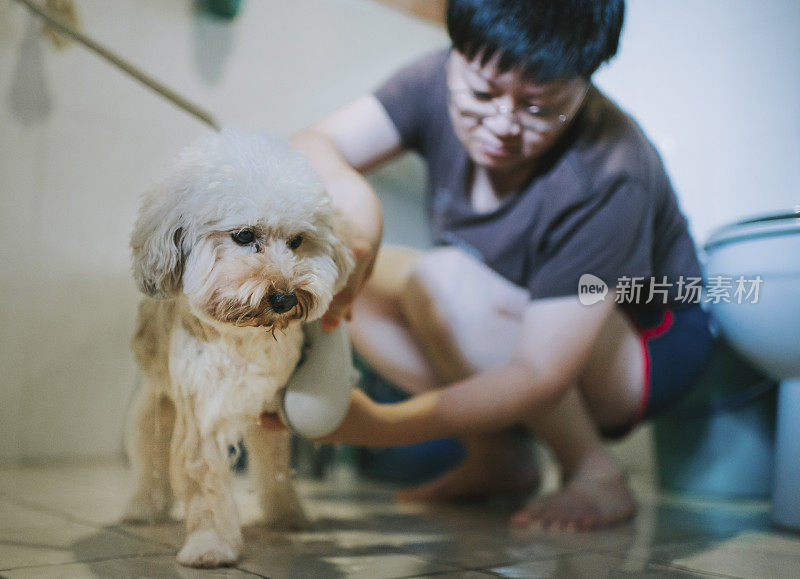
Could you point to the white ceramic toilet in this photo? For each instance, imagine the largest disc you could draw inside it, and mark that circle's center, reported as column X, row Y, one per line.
column 765, row 329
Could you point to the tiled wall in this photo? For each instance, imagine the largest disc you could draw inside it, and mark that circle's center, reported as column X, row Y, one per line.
column 715, row 84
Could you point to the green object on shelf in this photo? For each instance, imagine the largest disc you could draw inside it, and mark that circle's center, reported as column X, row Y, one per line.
column 222, row 8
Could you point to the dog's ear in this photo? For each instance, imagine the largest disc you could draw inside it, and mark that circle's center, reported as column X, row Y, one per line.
column 157, row 245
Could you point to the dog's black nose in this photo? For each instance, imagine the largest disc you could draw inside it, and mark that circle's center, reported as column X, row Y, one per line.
column 281, row 302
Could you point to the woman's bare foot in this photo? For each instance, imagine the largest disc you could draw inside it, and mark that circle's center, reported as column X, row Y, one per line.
column 502, row 466
column 596, row 496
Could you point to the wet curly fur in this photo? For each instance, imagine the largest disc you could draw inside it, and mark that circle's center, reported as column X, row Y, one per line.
column 236, row 248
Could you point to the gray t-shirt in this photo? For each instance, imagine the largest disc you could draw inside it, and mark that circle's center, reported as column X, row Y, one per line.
column 601, row 204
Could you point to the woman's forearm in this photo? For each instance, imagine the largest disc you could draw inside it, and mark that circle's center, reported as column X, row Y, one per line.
column 485, row 402
column 350, row 192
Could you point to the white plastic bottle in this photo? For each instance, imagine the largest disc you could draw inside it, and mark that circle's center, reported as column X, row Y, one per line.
column 317, row 397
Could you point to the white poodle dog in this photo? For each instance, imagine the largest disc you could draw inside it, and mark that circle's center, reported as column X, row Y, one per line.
column 235, row 249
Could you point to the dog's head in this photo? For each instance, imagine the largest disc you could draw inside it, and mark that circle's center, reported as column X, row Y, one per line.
column 244, row 228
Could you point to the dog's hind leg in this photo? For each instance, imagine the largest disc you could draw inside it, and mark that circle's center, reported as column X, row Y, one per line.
column 200, row 475
column 150, row 427
column 269, row 462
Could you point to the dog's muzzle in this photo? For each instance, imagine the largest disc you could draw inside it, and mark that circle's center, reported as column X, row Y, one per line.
column 281, row 302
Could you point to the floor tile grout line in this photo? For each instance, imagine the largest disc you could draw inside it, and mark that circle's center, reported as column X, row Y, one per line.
column 52, row 511
column 129, row 535
column 486, row 570
column 568, row 555
column 689, row 539
column 120, row 557
column 695, row 571
column 86, row 561
column 431, row 574
column 132, row 556
column 542, row 558
column 483, row 568
column 249, row 572
column 441, row 573
column 115, row 528
column 455, row 566
column 645, row 561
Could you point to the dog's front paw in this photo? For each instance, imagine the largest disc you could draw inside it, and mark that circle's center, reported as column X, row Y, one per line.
column 146, row 509
column 206, row 549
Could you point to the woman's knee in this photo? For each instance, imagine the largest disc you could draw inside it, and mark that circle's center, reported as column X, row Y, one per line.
column 430, row 298
column 463, row 291
column 452, row 298
column 427, row 307
column 393, row 266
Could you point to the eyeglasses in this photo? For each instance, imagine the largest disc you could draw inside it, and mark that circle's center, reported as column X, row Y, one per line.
column 478, row 106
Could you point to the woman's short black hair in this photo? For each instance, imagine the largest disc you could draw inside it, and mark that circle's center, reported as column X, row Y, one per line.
column 545, row 39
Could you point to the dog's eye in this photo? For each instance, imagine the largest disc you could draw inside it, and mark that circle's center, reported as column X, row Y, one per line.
column 295, row 242
column 243, row 237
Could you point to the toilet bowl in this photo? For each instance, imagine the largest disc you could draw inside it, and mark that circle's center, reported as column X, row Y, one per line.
column 752, row 279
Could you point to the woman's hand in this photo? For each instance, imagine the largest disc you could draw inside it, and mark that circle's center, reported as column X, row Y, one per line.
column 272, row 421
column 365, row 423
column 340, row 309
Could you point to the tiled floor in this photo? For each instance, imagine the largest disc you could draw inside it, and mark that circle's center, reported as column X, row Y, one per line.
column 278, row 67
column 61, row 522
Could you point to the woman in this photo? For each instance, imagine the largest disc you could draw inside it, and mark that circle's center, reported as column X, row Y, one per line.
column 537, row 184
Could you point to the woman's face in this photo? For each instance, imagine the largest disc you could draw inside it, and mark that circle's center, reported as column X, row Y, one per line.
column 504, row 121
